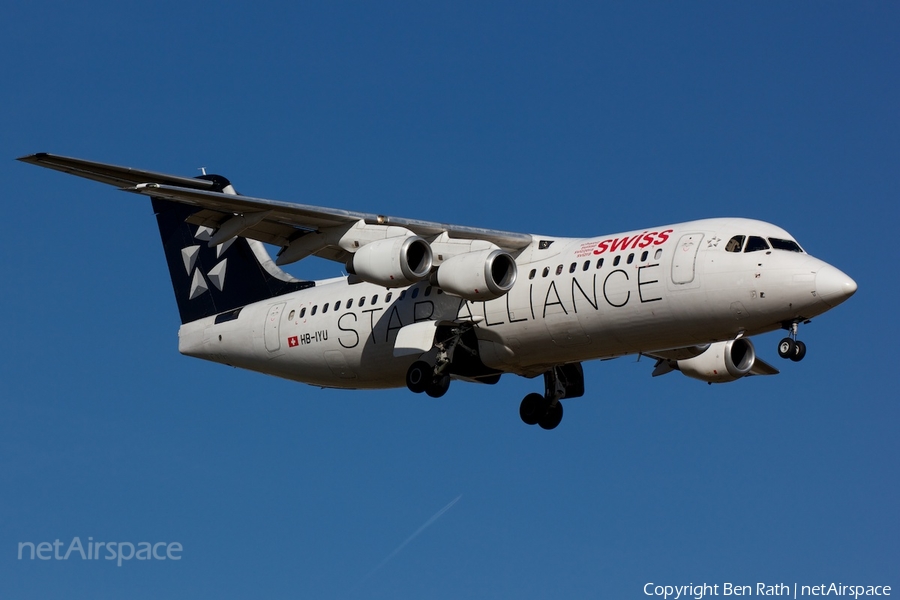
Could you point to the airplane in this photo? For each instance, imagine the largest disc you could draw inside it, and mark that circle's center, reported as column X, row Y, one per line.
column 425, row 303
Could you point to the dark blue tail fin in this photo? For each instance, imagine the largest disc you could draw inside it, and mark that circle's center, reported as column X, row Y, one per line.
column 209, row 281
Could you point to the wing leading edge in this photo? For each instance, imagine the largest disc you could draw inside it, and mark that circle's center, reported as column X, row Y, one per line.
column 271, row 221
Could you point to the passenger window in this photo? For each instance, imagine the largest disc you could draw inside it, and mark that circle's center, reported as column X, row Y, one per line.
column 415, row 292
column 546, row 272
column 559, row 270
column 616, row 261
column 599, row 262
column 291, row 316
column 644, row 256
column 572, row 268
column 362, row 302
column 755, row 244
column 350, row 303
column 531, row 275
column 658, row 254
column 735, row 244
column 402, row 294
column 789, row 245
column 337, row 305
column 325, row 308
column 630, row 258
column 313, row 311
column 428, row 291
column 587, row 265
column 374, row 300
column 388, row 297
column 302, row 312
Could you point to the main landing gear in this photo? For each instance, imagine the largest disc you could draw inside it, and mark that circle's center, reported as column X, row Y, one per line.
column 566, row 381
column 790, row 347
column 422, row 377
column 453, row 346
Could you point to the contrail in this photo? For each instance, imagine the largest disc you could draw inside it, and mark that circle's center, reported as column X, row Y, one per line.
column 418, row 532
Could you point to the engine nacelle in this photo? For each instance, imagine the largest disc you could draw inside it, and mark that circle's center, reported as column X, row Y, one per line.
column 392, row 262
column 478, row 276
column 721, row 362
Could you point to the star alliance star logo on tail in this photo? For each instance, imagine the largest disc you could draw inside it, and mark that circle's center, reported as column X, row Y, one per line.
column 216, row 275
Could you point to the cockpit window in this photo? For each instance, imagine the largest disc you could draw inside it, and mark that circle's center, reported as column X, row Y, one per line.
column 755, row 244
column 789, row 245
column 735, row 244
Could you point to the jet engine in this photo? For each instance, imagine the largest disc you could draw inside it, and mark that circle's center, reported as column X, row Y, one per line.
column 478, row 276
column 392, row 262
column 721, row 362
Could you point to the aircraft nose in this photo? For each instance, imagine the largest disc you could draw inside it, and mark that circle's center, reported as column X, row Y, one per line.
column 833, row 286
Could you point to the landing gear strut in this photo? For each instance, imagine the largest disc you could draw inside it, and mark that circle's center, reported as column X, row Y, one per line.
column 790, row 347
column 566, row 381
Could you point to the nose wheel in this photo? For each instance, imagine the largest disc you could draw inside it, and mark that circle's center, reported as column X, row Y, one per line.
column 791, row 347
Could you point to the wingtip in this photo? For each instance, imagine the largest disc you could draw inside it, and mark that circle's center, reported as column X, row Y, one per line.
column 33, row 157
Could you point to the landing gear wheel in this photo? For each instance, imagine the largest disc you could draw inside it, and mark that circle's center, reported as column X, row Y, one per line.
column 419, row 376
column 787, row 348
column 553, row 417
column 532, row 409
column 799, row 351
column 438, row 387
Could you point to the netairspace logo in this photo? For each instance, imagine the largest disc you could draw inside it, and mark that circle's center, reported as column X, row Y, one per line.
column 117, row 551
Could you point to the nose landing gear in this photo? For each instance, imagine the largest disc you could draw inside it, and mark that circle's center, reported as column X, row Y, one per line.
column 790, row 347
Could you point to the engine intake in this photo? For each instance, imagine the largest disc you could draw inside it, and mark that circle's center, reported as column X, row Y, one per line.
column 478, row 276
column 721, row 362
column 392, row 262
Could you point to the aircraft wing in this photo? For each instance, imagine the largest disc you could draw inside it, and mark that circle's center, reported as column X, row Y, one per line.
column 111, row 174
column 761, row 367
column 667, row 361
column 270, row 221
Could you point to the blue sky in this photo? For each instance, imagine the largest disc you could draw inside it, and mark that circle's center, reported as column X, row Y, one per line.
column 565, row 119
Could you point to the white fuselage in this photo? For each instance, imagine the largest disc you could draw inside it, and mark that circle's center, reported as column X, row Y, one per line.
column 574, row 299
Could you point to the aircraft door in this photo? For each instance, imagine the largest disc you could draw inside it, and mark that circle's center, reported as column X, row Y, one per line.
column 684, row 259
column 273, row 326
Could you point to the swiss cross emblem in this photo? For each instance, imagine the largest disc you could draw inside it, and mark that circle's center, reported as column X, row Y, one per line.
column 293, row 342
